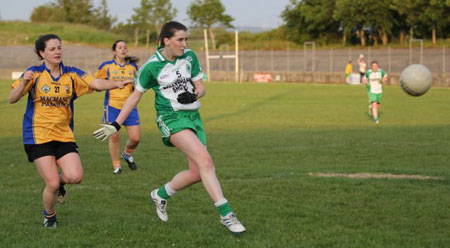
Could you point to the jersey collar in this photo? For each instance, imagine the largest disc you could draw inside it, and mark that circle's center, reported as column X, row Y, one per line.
column 159, row 54
column 62, row 69
column 161, row 57
column 115, row 62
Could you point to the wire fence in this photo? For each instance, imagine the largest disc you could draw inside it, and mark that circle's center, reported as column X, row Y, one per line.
column 333, row 60
column 18, row 58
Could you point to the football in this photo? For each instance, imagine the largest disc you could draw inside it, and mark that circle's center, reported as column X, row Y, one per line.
column 415, row 80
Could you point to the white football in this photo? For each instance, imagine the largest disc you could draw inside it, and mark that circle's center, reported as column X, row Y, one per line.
column 416, row 79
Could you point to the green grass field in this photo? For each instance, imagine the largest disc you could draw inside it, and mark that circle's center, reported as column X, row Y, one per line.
column 265, row 139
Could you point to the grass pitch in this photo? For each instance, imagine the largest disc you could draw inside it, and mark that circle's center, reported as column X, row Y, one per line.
column 266, row 141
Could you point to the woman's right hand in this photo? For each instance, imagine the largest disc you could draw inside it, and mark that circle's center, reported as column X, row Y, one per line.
column 28, row 76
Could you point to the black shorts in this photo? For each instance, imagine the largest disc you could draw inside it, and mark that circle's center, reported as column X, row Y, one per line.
column 53, row 148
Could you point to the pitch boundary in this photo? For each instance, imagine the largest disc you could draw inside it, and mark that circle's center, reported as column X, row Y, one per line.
column 368, row 175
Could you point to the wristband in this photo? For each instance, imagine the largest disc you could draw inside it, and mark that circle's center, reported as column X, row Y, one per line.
column 116, row 125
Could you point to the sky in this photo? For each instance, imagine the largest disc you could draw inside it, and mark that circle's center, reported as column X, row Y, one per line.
column 263, row 14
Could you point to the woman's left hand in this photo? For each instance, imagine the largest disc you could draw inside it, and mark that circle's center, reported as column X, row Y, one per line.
column 122, row 84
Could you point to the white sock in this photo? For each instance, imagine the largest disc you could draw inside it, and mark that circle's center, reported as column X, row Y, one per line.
column 169, row 190
column 220, row 202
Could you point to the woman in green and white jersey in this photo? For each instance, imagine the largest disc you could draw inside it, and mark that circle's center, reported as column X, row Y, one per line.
column 174, row 74
column 374, row 79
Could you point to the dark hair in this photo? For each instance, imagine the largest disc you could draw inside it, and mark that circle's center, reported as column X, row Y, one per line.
column 128, row 59
column 374, row 62
column 168, row 30
column 40, row 43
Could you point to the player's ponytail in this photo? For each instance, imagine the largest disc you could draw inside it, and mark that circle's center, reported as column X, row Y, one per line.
column 168, row 30
column 131, row 59
column 128, row 59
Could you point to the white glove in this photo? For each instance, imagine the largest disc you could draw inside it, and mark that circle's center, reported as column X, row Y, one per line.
column 106, row 130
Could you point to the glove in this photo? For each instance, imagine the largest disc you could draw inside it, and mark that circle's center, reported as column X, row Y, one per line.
column 106, row 130
column 186, row 97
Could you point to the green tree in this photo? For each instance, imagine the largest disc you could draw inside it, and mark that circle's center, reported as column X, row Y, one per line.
column 151, row 15
column 103, row 19
column 47, row 13
column 77, row 11
column 71, row 11
column 295, row 23
column 410, row 11
column 206, row 13
column 380, row 19
column 435, row 17
column 352, row 15
column 311, row 17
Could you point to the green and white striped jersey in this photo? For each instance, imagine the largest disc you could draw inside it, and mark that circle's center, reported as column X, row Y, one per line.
column 169, row 79
column 374, row 80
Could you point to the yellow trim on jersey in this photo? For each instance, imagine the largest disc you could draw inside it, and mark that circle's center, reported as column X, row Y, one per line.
column 49, row 113
column 112, row 71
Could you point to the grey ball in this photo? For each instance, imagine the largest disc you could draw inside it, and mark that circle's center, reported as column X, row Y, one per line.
column 416, row 79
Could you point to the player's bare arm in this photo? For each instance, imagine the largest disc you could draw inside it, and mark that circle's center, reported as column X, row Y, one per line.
column 200, row 90
column 102, row 84
column 17, row 92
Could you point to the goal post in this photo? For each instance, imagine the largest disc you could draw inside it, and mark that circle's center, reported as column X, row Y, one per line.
column 411, row 41
column 312, row 44
column 234, row 56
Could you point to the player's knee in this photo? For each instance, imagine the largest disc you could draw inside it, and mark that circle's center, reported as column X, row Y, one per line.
column 52, row 184
column 206, row 163
column 134, row 140
column 74, row 179
column 115, row 138
column 195, row 176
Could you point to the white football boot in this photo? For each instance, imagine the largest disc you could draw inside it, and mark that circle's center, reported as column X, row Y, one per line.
column 232, row 223
column 160, row 204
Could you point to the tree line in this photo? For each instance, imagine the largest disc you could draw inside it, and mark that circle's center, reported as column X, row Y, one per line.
column 145, row 22
column 366, row 21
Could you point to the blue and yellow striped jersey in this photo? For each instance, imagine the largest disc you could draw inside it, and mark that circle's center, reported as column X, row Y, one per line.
column 49, row 112
column 112, row 71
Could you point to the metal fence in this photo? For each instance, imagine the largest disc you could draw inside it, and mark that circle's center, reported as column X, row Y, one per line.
column 18, row 58
column 335, row 60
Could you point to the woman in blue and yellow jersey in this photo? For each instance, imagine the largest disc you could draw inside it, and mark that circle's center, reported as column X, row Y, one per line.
column 121, row 67
column 49, row 142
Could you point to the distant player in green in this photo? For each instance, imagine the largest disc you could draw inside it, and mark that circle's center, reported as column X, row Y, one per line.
column 374, row 79
column 175, row 75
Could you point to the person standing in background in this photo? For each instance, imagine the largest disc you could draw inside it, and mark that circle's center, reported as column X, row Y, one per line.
column 348, row 71
column 362, row 67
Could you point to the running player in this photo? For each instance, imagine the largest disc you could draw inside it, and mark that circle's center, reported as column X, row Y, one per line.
column 49, row 142
column 375, row 77
column 175, row 76
column 121, row 67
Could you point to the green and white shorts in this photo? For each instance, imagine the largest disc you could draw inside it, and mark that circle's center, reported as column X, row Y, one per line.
column 174, row 122
column 373, row 97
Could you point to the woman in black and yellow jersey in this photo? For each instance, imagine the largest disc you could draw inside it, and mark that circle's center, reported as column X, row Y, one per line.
column 52, row 88
column 121, row 67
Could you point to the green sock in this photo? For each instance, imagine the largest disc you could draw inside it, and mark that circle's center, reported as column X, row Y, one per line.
column 163, row 193
column 224, row 209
